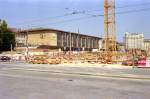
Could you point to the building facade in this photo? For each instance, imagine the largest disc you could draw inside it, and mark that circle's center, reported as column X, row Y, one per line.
column 147, row 44
column 56, row 39
column 134, row 41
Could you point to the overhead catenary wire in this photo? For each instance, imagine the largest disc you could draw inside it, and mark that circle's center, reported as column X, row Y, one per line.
column 74, row 13
column 134, row 5
column 93, row 16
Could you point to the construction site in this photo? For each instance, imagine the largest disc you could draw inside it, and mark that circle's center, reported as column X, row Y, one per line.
column 50, row 46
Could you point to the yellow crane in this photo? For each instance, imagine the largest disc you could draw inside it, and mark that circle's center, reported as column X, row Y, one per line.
column 109, row 37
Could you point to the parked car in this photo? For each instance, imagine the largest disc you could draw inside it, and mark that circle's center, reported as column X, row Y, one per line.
column 5, row 58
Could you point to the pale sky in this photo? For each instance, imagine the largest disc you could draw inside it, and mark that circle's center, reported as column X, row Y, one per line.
column 56, row 14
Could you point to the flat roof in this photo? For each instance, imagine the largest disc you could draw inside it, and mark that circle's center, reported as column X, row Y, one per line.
column 147, row 40
column 51, row 29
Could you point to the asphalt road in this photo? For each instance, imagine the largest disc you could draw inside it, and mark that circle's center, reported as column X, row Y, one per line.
column 18, row 82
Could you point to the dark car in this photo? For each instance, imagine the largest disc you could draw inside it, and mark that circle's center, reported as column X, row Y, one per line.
column 5, row 58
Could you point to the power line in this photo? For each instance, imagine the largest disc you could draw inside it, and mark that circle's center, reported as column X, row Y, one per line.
column 134, row 5
column 83, row 18
column 79, row 12
column 64, row 21
column 134, row 11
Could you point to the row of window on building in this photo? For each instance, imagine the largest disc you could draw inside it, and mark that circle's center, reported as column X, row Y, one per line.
column 75, row 40
column 136, row 41
column 58, row 39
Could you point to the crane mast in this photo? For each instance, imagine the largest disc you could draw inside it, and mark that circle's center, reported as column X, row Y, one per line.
column 109, row 37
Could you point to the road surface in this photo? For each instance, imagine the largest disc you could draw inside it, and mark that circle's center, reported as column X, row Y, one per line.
column 19, row 82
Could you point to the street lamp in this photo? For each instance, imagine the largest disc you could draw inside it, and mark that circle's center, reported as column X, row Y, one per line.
column 27, row 47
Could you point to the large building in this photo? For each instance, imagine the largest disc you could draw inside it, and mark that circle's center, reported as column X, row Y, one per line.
column 147, row 44
column 56, row 39
column 134, row 41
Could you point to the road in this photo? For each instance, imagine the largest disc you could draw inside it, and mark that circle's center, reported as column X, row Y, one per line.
column 20, row 82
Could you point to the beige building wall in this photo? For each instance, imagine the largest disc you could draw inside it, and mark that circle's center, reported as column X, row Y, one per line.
column 147, row 44
column 42, row 38
column 134, row 41
column 59, row 39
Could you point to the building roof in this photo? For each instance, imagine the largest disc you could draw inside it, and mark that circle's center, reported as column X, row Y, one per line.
column 15, row 30
column 51, row 29
column 120, row 43
column 146, row 40
column 127, row 33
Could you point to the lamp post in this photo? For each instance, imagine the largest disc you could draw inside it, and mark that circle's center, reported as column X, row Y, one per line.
column 78, row 46
column 133, row 51
column 11, row 47
column 70, row 46
column 27, row 47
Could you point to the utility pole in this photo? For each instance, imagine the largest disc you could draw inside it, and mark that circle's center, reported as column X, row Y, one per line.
column 11, row 47
column 78, row 40
column 133, row 52
column 70, row 46
column 70, row 42
column 78, row 45
column 27, row 47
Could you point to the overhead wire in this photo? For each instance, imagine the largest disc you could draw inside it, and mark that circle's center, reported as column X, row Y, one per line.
column 93, row 16
column 83, row 12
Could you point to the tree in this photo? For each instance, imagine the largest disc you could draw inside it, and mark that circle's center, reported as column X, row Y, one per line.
column 7, row 38
column 0, row 36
